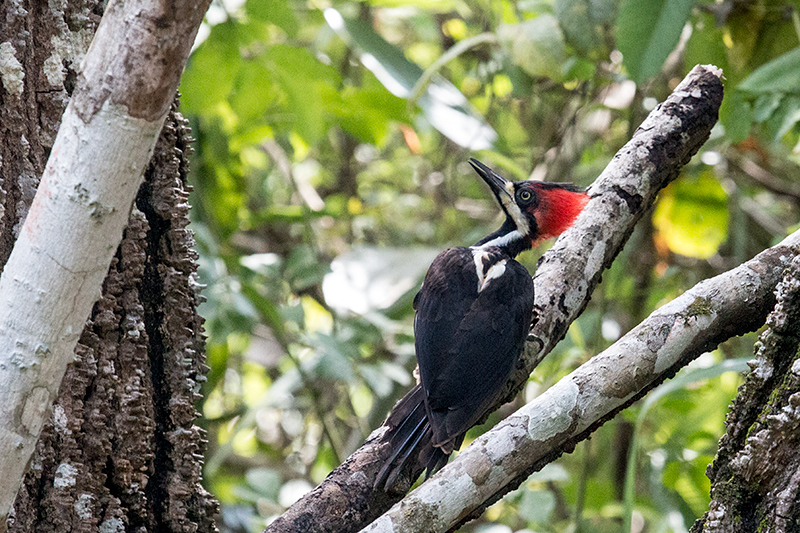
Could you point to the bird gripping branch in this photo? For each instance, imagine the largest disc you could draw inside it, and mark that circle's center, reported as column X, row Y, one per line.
column 474, row 311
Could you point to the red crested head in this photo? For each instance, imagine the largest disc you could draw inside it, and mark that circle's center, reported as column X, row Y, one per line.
column 535, row 210
column 558, row 207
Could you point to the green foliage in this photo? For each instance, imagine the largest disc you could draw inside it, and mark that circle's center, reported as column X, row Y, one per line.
column 692, row 215
column 330, row 168
column 537, row 46
column 647, row 31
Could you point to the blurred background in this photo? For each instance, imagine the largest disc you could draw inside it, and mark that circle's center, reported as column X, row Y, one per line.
column 330, row 168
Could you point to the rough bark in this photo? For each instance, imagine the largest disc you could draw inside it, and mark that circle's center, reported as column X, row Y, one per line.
column 564, row 280
column 120, row 451
column 498, row 461
column 755, row 477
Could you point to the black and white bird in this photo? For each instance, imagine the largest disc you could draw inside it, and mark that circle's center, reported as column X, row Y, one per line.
column 473, row 314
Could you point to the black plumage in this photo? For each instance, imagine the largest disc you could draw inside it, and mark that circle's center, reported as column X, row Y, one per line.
column 473, row 314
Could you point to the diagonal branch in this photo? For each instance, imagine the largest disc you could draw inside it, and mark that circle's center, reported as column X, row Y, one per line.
column 564, row 281
column 498, row 461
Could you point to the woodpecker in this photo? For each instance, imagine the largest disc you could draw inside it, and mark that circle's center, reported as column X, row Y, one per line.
column 473, row 313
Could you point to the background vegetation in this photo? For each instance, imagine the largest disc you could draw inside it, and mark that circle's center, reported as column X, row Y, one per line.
column 330, row 169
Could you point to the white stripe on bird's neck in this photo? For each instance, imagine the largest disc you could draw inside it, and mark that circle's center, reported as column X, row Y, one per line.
column 503, row 240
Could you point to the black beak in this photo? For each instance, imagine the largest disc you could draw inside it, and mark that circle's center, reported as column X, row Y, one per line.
column 496, row 182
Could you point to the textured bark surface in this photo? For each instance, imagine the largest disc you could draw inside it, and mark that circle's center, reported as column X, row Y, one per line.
column 41, row 46
column 755, row 477
column 121, row 451
column 672, row 133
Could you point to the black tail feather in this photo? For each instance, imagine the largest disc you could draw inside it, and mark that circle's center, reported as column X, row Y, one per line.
column 410, row 437
column 401, row 441
column 423, row 430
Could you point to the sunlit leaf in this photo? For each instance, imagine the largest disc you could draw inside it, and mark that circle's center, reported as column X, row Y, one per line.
column 219, row 54
column 370, row 278
column 647, row 31
column 305, row 81
column 692, row 216
column 277, row 12
column 253, row 92
column 368, row 112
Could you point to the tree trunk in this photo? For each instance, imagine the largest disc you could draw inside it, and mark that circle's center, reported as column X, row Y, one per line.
column 121, row 450
column 755, row 478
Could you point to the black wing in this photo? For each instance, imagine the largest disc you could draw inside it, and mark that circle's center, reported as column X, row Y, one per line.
column 468, row 341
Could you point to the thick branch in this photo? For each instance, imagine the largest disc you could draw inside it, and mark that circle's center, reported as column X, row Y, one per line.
column 75, row 223
column 564, row 281
column 498, row 461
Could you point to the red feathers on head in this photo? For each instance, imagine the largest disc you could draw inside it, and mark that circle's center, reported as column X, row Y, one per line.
column 557, row 210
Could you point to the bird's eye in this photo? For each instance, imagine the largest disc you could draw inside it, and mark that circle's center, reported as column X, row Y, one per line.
column 525, row 195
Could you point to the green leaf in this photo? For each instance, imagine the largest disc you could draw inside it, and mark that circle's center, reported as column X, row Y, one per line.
column 736, row 114
column 765, row 105
column 781, row 75
column 253, row 92
column 536, row 46
column 305, row 81
column 333, row 359
column 681, row 381
column 581, row 21
column 445, row 107
column 790, row 115
column 692, row 216
column 368, row 112
column 647, row 31
column 267, row 310
column 576, row 68
column 707, row 45
column 265, row 481
column 537, row 506
column 277, row 12
column 303, row 268
column 219, row 54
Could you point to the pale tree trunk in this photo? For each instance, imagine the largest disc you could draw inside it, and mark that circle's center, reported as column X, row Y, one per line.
column 120, row 450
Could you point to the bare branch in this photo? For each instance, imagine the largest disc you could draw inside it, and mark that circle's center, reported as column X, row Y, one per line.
column 714, row 310
column 566, row 276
